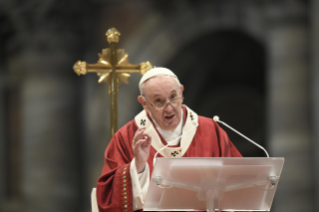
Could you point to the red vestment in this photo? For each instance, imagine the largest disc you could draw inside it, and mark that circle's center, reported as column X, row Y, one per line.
column 114, row 188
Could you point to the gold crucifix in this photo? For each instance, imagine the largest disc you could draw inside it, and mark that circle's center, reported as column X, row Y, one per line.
column 112, row 68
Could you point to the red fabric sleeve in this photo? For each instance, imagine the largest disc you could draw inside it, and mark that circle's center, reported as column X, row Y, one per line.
column 114, row 187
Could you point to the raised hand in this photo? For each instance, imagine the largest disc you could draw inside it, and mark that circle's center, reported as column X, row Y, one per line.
column 141, row 148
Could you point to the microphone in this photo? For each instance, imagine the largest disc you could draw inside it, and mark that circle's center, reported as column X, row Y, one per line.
column 216, row 119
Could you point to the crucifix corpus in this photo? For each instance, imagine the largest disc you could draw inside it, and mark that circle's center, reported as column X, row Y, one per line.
column 114, row 69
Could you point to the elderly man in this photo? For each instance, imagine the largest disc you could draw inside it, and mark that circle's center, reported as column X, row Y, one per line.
column 128, row 158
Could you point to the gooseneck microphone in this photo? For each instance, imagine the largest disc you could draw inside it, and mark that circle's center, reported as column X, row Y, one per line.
column 216, row 119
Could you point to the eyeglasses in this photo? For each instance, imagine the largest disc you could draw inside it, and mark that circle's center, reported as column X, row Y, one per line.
column 160, row 104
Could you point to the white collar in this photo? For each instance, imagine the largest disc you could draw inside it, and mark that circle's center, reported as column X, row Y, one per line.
column 171, row 135
column 142, row 120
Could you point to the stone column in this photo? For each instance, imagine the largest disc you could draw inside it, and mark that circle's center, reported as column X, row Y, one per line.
column 51, row 138
column 2, row 142
column 315, row 93
column 289, row 106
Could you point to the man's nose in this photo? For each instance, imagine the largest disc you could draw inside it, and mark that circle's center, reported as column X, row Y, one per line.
column 168, row 107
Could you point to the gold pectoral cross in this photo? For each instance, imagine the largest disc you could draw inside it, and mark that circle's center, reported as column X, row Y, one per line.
column 114, row 69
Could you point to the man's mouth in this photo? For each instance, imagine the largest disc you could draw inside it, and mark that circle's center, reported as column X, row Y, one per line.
column 169, row 117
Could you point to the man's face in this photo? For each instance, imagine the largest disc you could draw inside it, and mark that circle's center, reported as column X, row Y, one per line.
column 163, row 89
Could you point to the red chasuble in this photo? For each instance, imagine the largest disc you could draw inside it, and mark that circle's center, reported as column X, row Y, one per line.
column 114, row 187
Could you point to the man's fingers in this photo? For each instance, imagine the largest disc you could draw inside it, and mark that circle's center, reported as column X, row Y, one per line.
column 141, row 137
column 146, row 136
column 141, row 129
column 143, row 143
column 138, row 135
column 149, row 138
column 139, row 142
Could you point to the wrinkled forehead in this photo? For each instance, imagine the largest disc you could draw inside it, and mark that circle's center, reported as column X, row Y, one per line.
column 159, row 85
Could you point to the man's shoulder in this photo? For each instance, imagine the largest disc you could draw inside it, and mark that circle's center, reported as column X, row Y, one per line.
column 205, row 119
column 207, row 122
column 129, row 126
column 135, row 123
column 130, row 123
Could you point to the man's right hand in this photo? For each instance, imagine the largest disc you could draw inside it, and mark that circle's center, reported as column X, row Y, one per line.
column 141, row 148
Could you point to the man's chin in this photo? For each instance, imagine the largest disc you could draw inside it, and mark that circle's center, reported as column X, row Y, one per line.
column 171, row 126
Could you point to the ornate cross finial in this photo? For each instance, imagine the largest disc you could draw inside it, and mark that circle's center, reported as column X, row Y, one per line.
column 113, row 35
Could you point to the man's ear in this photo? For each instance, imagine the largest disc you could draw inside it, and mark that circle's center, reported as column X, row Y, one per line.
column 182, row 89
column 141, row 100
